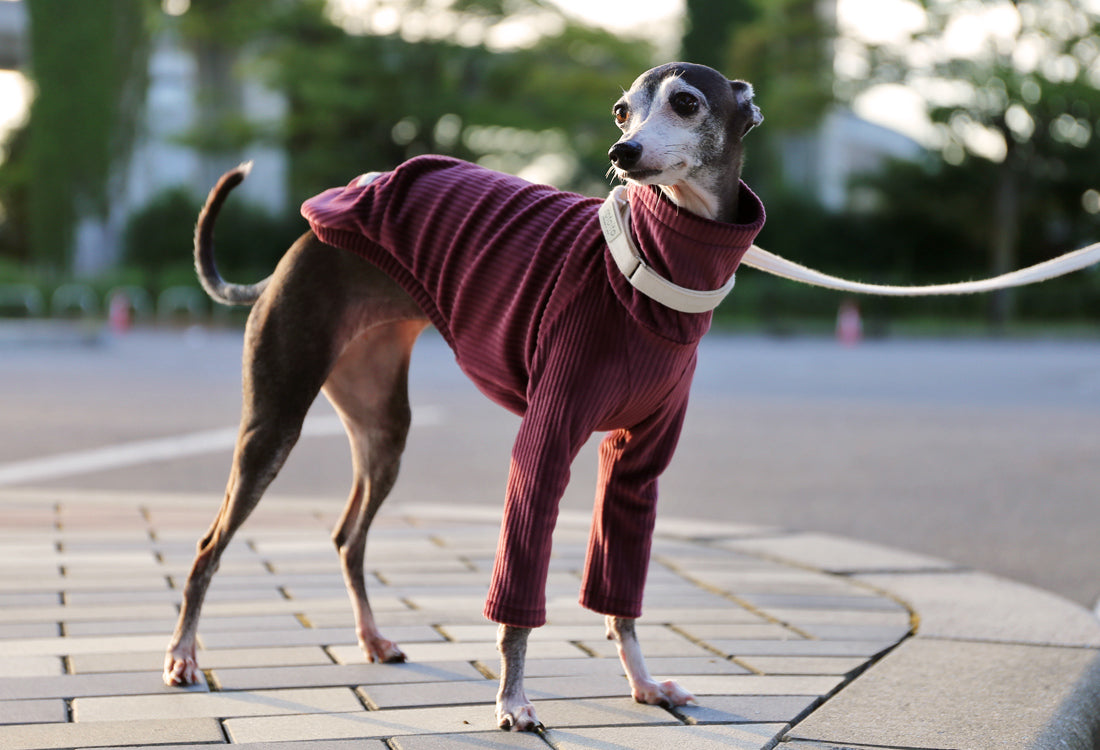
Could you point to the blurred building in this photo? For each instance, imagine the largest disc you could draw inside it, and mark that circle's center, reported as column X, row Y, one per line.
column 844, row 145
column 165, row 157
column 176, row 103
column 822, row 163
column 13, row 38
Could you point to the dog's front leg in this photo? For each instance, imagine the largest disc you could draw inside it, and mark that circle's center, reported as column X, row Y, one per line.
column 514, row 711
column 643, row 687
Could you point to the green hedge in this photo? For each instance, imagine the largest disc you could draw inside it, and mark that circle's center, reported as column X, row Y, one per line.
column 249, row 240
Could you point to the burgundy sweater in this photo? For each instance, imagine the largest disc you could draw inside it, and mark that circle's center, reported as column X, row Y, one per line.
column 519, row 281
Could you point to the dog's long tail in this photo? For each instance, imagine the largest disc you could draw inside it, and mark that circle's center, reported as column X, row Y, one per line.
column 218, row 288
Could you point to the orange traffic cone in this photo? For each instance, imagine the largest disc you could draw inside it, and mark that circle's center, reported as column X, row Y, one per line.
column 849, row 325
column 118, row 313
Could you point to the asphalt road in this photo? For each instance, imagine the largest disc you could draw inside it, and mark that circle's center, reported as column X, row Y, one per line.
column 982, row 452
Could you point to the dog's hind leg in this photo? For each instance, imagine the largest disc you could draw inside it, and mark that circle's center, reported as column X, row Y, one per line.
column 295, row 334
column 273, row 412
column 369, row 388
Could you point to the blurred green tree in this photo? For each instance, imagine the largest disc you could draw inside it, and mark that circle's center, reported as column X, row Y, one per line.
column 785, row 50
column 709, row 26
column 369, row 101
column 15, row 179
column 1013, row 90
column 89, row 64
column 782, row 47
column 158, row 236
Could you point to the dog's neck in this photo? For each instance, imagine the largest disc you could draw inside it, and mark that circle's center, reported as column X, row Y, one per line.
column 717, row 205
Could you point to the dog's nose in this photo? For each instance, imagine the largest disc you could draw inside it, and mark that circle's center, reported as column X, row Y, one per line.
column 625, row 154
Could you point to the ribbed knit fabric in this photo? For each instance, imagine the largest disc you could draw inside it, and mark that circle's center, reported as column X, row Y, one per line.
column 518, row 280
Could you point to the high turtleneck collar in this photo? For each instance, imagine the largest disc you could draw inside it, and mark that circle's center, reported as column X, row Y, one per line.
column 686, row 249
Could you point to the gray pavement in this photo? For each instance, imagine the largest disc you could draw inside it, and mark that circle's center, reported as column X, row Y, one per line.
column 796, row 640
column 980, row 452
column 978, row 456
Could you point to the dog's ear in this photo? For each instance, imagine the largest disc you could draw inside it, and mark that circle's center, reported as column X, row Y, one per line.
column 742, row 95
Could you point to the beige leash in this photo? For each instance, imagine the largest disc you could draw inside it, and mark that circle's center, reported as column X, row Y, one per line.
column 1073, row 261
column 615, row 221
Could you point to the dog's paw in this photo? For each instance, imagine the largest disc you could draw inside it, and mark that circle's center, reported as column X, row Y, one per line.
column 667, row 694
column 383, row 651
column 518, row 717
column 181, row 670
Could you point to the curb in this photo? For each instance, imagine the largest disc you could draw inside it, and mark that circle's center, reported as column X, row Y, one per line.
column 990, row 663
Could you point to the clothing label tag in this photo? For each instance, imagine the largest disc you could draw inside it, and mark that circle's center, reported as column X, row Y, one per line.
column 609, row 222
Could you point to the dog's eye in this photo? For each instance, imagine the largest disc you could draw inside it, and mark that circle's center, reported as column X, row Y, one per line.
column 621, row 113
column 684, row 104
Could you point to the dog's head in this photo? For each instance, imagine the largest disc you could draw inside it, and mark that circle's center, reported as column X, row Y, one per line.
column 682, row 127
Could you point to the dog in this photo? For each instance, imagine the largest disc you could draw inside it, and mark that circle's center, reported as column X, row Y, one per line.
column 545, row 318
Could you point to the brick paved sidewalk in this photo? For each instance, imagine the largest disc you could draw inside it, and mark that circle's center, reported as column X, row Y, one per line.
column 90, row 583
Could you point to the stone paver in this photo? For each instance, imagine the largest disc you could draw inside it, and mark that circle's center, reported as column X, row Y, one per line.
column 478, row 692
column 55, row 611
column 760, row 684
column 108, row 733
column 694, row 737
column 29, row 630
column 210, row 625
column 59, row 646
column 481, row 740
column 305, row 745
column 151, row 661
column 748, row 709
column 361, row 725
column 30, row 666
column 236, row 703
column 658, row 666
column 801, row 647
column 803, row 665
column 480, row 651
column 33, row 712
column 791, row 637
column 344, row 674
column 80, row 686
column 310, row 637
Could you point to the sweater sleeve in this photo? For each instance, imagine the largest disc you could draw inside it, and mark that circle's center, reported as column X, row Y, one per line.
column 558, row 421
column 537, row 477
column 631, row 460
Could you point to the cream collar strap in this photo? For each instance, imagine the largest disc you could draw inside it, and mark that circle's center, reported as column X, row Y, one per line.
column 615, row 223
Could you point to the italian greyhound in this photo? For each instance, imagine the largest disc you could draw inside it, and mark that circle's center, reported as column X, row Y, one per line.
column 327, row 321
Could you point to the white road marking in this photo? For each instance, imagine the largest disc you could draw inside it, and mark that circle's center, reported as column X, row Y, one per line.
column 164, row 449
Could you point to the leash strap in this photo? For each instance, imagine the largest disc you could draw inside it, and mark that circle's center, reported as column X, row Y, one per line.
column 615, row 220
column 1073, row 261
